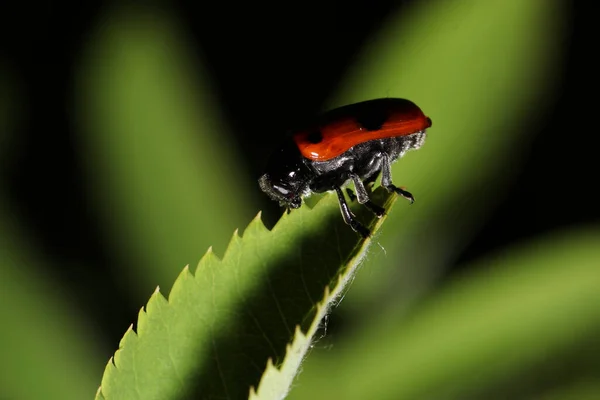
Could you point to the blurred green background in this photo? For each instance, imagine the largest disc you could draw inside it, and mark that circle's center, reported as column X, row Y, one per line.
column 131, row 138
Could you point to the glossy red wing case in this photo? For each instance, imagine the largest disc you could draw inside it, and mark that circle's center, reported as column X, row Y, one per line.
column 340, row 129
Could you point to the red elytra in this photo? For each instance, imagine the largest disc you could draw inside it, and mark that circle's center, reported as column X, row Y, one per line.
column 340, row 129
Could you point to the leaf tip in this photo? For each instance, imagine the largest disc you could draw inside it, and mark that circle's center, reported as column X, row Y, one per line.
column 256, row 226
column 206, row 259
column 252, row 393
column 128, row 338
column 128, row 333
column 233, row 243
column 99, row 394
column 179, row 286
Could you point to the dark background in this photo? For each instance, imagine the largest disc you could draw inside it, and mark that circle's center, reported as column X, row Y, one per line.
column 45, row 180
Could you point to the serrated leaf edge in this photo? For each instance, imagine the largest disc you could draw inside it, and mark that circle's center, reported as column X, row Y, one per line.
column 256, row 223
column 302, row 342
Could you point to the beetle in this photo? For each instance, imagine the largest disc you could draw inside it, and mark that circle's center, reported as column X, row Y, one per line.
column 353, row 143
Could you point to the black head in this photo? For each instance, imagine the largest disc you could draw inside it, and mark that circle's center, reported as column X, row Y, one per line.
column 286, row 177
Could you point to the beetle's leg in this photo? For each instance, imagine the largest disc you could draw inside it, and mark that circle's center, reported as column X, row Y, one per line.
column 368, row 183
column 361, row 192
column 386, row 180
column 349, row 218
column 374, row 208
column 363, row 196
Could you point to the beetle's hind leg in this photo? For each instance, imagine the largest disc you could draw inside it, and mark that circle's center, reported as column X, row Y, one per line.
column 350, row 218
column 362, row 196
column 386, row 180
column 374, row 208
column 370, row 181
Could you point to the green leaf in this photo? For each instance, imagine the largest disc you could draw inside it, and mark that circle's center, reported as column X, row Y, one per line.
column 585, row 389
column 44, row 340
column 520, row 311
column 483, row 71
column 48, row 350
column 214, row 335
column 156, row 149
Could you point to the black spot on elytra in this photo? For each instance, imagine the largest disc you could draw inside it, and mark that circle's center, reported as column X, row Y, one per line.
column 372, row 118
column 315, row 137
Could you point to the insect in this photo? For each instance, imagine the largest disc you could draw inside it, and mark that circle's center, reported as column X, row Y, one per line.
column 354, row 143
